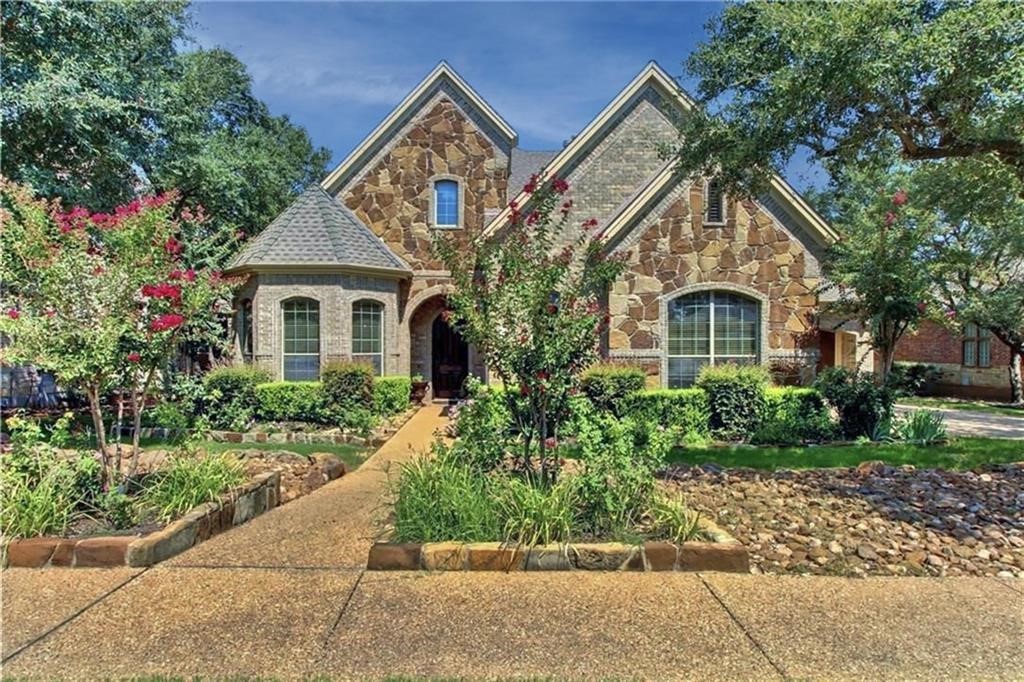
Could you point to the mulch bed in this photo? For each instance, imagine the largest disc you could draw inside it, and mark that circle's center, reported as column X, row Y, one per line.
column 871, row 520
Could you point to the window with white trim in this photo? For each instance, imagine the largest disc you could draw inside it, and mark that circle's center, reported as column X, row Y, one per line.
column 977, row 346
column 446, row 203
column 714, row 203
column 368, row 334
column 301, row 340
column 710, row 328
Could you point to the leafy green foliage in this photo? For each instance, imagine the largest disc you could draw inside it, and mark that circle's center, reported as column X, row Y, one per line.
column 231, row 395
column 118, row 509
column 537, row 514
column 863, row 404
column 736, row 398
column 608, row 386
column 482, row 426
column 96, row 95
column 922, row 427
column 532, row 309
column 302, row 401
column 925, row 79
column 794, row 415
column 348, row 384
column 44, row 505
column 912, row 378
column 167, row 415
column 391, row 395
column 189, row 480
column 684, row 410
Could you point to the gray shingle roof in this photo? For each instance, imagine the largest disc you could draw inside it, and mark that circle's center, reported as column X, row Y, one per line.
column 523, row 164
column 317, row 229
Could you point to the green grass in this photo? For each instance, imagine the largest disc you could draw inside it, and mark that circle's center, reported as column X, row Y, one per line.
column 966, row 405
column 963, row 453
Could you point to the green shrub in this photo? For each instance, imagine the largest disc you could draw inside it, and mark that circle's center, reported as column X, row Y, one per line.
column 437, row 499
column 167, row 416
column 482, row 427
column 391, row 395
column 301, row 401
column 684, row 409
column 922, row 427
column 608, row 385
column 913, row 378
column 348, row 385
column 864, row 406
column 231, row 395
column 118, row 508
column 190, row 480
column 794, row 415
column 736, row 397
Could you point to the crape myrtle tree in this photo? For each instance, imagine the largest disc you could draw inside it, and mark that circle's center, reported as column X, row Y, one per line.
column 876, row 265
column 103, row 300
column 532, row 307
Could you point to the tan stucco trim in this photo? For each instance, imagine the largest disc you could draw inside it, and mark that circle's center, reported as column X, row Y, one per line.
column 441, row 71
column 317, row 269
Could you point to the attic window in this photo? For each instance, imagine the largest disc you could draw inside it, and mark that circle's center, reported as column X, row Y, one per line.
column 714, row 202
column 446, row 203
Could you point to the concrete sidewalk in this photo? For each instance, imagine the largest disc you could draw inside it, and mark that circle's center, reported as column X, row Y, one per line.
column 285, row 596
column 973, row 423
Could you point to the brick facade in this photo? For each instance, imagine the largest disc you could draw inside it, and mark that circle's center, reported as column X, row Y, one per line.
column 936, row 345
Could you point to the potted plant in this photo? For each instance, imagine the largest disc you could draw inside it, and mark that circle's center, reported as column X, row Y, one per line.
column 419, row 389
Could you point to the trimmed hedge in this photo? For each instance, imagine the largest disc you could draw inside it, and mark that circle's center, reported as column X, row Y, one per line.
column 736, row 396
column 391, row 395
column 348, row 385
column 685, row 408
column 608, row 385
column 301, row 401
column 794, row 415
column 230, row 395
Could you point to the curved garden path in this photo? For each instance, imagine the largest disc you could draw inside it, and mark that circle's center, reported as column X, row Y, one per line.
column 285, row 596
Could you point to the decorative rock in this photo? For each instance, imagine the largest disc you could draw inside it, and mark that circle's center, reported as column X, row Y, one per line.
column 30, row 552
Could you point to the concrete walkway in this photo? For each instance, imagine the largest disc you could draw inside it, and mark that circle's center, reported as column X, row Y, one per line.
column 971, row 423
column 285, row 597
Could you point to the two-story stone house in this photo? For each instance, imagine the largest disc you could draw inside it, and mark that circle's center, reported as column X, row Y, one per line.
column 347, row 271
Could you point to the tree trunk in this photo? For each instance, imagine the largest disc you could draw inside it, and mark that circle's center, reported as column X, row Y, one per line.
column 1016, row 381
column 93, row 392
column 138, row 405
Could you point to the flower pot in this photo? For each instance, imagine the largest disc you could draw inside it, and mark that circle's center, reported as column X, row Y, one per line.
column 419, row 392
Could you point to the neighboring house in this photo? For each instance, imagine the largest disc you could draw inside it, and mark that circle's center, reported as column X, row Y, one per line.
column 974, row 364
column 347, row 270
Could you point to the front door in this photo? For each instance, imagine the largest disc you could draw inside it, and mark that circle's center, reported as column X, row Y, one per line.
column 450, row 359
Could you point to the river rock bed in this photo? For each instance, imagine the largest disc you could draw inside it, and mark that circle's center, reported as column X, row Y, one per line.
column 871, row 520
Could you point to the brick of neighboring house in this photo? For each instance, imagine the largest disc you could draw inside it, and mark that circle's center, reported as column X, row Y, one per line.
column 933, row 344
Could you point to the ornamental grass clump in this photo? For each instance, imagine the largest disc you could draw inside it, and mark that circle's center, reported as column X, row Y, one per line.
column 189, row 480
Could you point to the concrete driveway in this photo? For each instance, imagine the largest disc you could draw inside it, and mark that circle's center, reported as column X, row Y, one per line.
column 285, row 596
column 969, row 423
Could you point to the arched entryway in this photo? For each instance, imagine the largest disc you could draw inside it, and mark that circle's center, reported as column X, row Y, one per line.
column 449, row 355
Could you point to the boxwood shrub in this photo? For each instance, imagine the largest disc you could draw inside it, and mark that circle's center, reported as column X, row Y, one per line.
column 391, row 395
column 348, row 385
column 300, row 401
column 608, row 385
column 685, row 408
column 230, row 395
column 736, row 397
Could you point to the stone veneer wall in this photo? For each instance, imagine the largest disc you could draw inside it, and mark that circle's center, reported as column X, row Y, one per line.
column 394, row 196
column 671, row 250
column 336, row 293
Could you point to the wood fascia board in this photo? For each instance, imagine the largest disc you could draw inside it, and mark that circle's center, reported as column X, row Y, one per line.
column 319, row 269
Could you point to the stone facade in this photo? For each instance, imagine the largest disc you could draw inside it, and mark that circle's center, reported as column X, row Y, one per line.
column 671, row 252
column 394, row 197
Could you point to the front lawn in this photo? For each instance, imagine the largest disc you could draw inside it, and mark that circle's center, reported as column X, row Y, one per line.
column 963, row 453
column 1003, row 409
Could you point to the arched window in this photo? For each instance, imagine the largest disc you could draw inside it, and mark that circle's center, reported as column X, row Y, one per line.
column 245, row 329
column 446, row 203
column 301, row 340
column 368, row 334
column 710, row 328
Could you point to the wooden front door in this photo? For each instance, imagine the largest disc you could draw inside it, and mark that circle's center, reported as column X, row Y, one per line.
column 450, row 360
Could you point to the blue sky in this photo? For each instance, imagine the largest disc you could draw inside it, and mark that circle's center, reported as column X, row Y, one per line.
column 338, row 68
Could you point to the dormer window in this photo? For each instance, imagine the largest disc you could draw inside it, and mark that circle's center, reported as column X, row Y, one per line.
column 714, row 203
column 446, row 204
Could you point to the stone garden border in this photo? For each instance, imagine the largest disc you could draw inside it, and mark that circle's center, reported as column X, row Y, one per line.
column 380, row 435
column 201, row 523
column 721, row 552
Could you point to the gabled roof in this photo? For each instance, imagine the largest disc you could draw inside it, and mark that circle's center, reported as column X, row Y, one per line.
column 443, row 74
column 653, row 75
column 318, row 230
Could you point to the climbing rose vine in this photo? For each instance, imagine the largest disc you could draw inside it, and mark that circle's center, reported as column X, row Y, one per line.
column 102, row 300
column 530, row 301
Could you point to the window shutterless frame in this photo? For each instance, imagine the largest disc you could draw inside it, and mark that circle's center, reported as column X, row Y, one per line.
column 300, row 340
column 446, row 203
column 977, row 346
column 710, row 328
column 368, row 334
